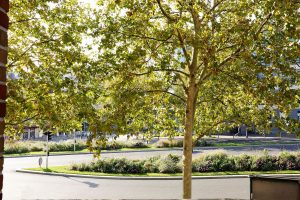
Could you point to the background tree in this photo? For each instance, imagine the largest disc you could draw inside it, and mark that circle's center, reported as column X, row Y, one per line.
column 48, row 79
column 202, row 65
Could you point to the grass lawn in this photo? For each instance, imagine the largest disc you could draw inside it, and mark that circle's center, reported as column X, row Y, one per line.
column 44, row 153
column 252, row 143
column 66, row 170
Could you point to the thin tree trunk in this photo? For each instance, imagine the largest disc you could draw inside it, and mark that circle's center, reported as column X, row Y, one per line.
column 188, row 143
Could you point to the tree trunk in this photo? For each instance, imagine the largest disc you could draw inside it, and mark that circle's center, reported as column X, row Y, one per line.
column 187, row 143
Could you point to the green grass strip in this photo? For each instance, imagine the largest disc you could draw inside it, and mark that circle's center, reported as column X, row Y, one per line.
column 66, row 170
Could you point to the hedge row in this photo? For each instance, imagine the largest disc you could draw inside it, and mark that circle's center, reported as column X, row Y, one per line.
column 26, row 147
column 166, row 164
column 216, row 162
column 179, row 143
column 29, row 146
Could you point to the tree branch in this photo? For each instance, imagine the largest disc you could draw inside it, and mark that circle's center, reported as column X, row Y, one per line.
column 212, row 9
column 263, row 24
column 183, row 84
column 156, row 70
column 146, row 37
column 181, row 40
column 209, row 129
column 167, row 92
column 164, row 12
column 24, row 20
column 23, row 121
column 233, row 55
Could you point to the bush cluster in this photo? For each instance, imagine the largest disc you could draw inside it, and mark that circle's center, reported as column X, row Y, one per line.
column 34, row 146
column 120, row 145
column 66, row 146
column 26, row 146
column 265, row 162
column 15, row 148
column 165, row 164
column 216, row 162
column 179, row 143
column 169, row 143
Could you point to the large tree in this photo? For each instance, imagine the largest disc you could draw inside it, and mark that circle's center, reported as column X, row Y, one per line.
column 204, row 65
column 132, row 66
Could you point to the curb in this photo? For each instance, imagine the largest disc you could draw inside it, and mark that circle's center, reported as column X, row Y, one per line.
column 129, row 177
column 246, row 146
column 39, row 155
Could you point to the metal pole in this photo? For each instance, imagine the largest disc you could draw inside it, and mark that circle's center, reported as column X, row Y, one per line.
column 47, row 151
column 74, row 140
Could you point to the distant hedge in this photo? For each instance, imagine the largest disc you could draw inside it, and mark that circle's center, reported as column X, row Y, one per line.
column 36, row 146
column 29, row 146
column 216, row 162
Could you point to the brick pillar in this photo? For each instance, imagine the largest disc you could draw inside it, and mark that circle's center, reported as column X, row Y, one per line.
column 4, row 6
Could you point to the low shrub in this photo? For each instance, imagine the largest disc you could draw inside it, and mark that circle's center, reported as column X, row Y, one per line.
column 151, row 164
column 81, row 167
column 243, row 162
column 287, row 161
column 169, row 164
column 112, row 165
column 26, row 147
column 139, row 145
column 169, row 143
column 202, row 165
column 202, row 143
column 36, row 148
column 221, row 162
column 214, row 162
column 297, row 160
column 15, row 148
column 113, row 145
column 265, row 162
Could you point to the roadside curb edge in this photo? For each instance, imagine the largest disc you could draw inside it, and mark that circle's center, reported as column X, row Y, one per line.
column 128, row 177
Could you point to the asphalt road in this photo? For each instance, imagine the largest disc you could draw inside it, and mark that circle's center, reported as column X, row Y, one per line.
column 28, row 186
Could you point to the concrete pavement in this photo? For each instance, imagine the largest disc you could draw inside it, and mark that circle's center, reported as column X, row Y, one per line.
column 28, row 186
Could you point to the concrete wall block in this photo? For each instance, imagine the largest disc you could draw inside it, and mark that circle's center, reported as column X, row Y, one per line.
column 2, row 74
column 2, row 110
column 4, row 20
column 4, row 4
column 3, row 92
column 3, row 56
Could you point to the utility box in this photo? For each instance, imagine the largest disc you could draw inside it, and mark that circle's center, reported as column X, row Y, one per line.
column 275, row 187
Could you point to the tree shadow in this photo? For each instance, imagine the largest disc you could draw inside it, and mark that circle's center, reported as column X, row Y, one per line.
column 90, row 184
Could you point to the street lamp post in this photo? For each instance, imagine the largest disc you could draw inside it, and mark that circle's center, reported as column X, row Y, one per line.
column 74, row 140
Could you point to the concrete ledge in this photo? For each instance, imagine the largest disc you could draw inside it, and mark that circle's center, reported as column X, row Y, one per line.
column 129, row 177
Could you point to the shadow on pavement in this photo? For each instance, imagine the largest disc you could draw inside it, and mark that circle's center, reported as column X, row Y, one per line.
column 90, row 184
